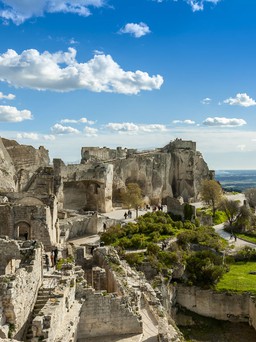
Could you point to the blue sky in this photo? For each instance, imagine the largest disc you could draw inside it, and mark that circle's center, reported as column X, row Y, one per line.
column 131, row 73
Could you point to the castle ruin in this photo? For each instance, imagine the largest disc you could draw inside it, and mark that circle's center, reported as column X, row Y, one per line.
column 44, row 205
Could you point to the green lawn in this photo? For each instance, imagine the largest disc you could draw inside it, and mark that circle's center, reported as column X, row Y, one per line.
column 239, row 279
column 247, row 237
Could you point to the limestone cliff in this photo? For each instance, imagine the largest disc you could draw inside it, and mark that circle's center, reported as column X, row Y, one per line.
column 7, row 170
column 174, row 170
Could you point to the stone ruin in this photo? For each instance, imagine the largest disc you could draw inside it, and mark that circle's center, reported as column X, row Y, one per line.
column 43, row 205
column 52, row 203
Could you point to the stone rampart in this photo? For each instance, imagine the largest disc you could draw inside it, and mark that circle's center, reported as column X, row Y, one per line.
column 104, row 153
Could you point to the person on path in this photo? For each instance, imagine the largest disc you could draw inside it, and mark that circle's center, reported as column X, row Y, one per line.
column 55, row 255
column 52, row 258
column 125, row 215
column 129, row 213
column 47, row 262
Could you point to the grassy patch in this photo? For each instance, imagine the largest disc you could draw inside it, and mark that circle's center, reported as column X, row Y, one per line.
column 239, row 279
column 246, row 237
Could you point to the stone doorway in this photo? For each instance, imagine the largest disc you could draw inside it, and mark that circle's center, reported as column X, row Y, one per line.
column 23, row 231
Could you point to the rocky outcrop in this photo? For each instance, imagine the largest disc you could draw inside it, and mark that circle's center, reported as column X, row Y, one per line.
column 7, row 170
column 174, row 170
column 25, row 159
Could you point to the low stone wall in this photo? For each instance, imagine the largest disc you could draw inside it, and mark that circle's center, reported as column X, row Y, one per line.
column 107, row 315
column 222, row 306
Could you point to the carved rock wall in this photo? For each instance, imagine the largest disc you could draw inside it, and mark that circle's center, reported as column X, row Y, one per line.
column 223, row 306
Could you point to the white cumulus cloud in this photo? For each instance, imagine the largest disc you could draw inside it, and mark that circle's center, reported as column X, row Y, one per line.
column 206, row 101
column 12, row 114
column 198, row 5
column 241, row 99
column 90, row 132
column 136, row 30
column 35, row 136
column 129, row 127
column 187, row 122
column 7, row 97
column 60, row 129
column 20, row 10
column 224, row 122
column 31, row 136
column 82, row 120
column 45, row 71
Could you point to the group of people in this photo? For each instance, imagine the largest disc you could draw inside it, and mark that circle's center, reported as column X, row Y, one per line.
column 54, row 258
column 128, row 214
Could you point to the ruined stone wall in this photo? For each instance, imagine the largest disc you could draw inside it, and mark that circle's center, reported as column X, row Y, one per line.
column 9, row 251
column 84, row 186
column 79, row 225
column 18, row 291
column 58, row 319
column 106, row 315
column 222, row 306
column 104, row 153
column 35, row 220
column 6, row 220
column 180, row 144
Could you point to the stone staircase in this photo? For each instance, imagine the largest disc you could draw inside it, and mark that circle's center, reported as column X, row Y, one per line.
column 44, row 294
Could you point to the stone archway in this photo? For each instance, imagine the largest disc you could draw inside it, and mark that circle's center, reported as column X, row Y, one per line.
column 22, row 230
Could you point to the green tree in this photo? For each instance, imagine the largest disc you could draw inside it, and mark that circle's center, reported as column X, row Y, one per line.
column 132, row 197
column 211, row 194
column 250, row 195
column 231, row 209
column 244, row 219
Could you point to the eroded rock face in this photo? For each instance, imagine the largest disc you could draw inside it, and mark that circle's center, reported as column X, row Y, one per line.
column 26, row 160
column 7, row 170
column 174, row 170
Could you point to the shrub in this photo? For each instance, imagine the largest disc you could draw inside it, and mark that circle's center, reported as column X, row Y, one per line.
column 204, row 268
column 134, row 259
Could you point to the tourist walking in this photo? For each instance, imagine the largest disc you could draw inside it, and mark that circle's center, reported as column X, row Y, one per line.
column 47, row 262
column 55, row 255
column 52, row 258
